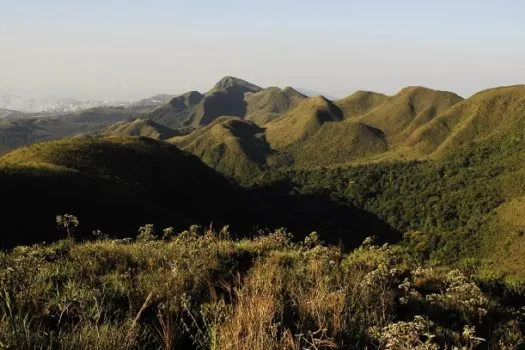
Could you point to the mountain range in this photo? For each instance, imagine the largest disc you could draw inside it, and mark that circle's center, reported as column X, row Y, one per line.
column 421, row 160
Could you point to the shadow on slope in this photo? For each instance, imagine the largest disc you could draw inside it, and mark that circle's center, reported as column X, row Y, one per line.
column 111, row 184
column 230, row 145
column 336, row 220
column 117, row 184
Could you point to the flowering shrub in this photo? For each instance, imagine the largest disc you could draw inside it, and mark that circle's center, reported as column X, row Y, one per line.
column 202, row 289
column 405, row 335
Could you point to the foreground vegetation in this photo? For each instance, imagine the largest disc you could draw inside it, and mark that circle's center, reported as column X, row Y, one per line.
column 202, row 289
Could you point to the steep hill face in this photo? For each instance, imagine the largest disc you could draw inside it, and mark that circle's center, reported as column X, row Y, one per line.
column 225, row 99
column 140, row 127
column 178, row 113
column 230, row 145
column 269, row 104
column 193, row 109
column 302, row 122
column 114, row 184
column 337, row 143
column 360, row 103
column 410, row 108
column 496, row 112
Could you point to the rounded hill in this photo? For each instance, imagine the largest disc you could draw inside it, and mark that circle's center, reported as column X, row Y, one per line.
column 114, row 184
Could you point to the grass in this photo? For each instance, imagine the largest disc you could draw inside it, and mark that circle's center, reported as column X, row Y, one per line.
column 411, row 124
column 140, row 127
column 359, row 103
column 229, row 145
column 338, row 143
column 201, row 289
column 491, row 113
column 408, row 109
column 302, row 122
column 269, row 104
column 113, row 184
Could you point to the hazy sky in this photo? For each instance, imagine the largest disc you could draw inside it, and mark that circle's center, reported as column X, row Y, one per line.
column 126, row 49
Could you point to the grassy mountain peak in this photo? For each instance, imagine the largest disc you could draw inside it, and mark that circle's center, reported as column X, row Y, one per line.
column 232, row 83
column 360, row 102
column 494, row 112
column 270, row 103
column 230, row 145
column 408, row 109
column 192, row 110
column 302, row 122
column 140, row 127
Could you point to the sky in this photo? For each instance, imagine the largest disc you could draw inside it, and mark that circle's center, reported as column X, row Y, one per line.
column 128, row 49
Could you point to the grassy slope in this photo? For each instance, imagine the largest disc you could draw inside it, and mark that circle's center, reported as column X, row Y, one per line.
column 338, row 142
column 505, row 244
column 376, row 127
column 490, row 112
column 202, row 290
column 177, row 113
column 359, row 103
column 410, row 108
column 140, row 127
column 269, row 104
column 302, row 122
column 229, row 145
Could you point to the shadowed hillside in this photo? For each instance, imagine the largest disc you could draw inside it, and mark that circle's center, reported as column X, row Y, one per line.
column 225, row 99
column 116, row 184
column 113, row 184
column 192, row 109
column 230, row 145
column 177, row 113
column 298, row 170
